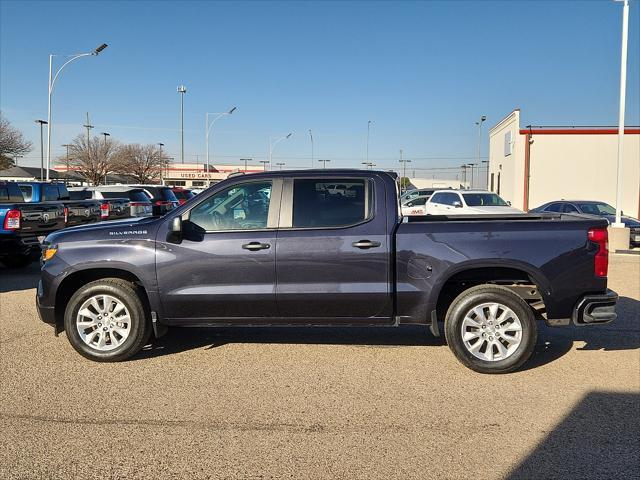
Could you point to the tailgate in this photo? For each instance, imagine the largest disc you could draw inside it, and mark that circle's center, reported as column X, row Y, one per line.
column 41, row 218
column 80, row 212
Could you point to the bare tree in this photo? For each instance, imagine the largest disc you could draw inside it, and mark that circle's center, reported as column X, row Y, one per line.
column 93, row 157
column 12, row 143
column 142, row 162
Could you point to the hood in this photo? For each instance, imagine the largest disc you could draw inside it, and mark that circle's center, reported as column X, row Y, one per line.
column 135, row 227
column 492, row 210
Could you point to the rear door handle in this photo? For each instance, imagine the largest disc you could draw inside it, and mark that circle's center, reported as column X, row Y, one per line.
column 255, row 246
column 364, row 244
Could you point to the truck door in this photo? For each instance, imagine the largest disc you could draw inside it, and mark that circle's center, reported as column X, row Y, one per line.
column 224, row 267
column 333, row 252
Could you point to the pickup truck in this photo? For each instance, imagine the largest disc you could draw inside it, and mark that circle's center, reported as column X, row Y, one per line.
column 110, row 208
column 79, row 212
column 279, row 248
column 23, row 225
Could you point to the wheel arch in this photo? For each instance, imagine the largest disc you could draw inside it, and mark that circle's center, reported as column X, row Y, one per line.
column 77, row 279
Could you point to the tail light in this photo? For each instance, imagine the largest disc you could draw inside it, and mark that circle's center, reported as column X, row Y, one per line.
column 104, row 210
column 66, row 214
column 161, row 203
column 12, row 220
column 601, row 261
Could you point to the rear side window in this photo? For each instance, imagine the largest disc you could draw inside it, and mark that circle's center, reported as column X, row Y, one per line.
column 10, row 193
column 554, row 207
column 445, row 198
column 50, row 193
column 568, row 208
column 63, row 193
column 317, row 203
column 167, row 195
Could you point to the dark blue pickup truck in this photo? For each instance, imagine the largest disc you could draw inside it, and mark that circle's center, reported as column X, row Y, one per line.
column 284, row 248
column 23, row 225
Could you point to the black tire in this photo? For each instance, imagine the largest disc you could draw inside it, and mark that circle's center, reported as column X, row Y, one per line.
column 129, row 295
column 17, row 261
column 474, row 297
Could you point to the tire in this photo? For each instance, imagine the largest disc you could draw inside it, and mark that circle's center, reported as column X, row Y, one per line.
column 113, row 337
column 507, row 338
column 17, row 261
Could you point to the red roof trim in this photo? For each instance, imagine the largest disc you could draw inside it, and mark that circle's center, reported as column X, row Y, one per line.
column 578, row 131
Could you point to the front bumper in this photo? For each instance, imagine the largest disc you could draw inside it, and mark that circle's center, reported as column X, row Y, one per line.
column 47, row 314
column 595, row 309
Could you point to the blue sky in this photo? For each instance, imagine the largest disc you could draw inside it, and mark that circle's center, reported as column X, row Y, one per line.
column 423, row 72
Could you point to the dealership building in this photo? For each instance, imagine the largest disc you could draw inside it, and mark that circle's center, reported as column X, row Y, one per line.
column 532, row 165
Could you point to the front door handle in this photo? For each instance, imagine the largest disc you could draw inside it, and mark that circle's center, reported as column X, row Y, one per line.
column 255, row 246
column 364, row 244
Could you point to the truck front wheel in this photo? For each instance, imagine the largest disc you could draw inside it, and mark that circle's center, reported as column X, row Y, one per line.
column 490, row 329
column 106, row 321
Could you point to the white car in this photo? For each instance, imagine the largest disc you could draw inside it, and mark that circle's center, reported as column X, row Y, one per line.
column 415, row 206
column 467, row 202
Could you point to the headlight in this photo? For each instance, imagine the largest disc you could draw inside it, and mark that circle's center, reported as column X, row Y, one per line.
column 49, row 253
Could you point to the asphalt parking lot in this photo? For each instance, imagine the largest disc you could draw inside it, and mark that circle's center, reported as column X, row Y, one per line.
column 318, row 403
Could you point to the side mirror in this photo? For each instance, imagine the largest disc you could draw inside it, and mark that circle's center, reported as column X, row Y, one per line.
column 175, row 230
column 457, row 204
column 509, row 202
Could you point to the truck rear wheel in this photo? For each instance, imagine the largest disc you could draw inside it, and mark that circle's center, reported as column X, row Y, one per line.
column 490, row 329
column 106, row 321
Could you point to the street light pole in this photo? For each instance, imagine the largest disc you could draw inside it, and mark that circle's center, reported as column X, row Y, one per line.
column 324, row 163
column 479, row 123
column 487, row 162
column 106, row 168
column 311, row 136
column 272, row 144
column 245, row 160
column 41, row 122
column 52, row 82
column 66, row 162
column 404, row 162
column 264, row 164
column 471, row 165
column 368, row 130
column 209, row 127
column 280, row 164
column 162, row 164
column 182, row 90
column 623, row 91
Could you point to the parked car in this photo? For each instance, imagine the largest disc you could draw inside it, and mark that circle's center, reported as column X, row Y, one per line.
column 24, row 225
column 162, row 198
column 467, row 202
column 415, row 206
column 594, row 207
column 309, row 258
column 139, row 202
column 110, row 208
column 78, row 212
column 182, row 194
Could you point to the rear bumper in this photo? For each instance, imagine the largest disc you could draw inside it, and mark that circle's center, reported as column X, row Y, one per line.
column 595, row 309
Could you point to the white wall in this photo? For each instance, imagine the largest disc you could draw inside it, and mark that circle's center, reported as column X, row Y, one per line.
column 510, row 167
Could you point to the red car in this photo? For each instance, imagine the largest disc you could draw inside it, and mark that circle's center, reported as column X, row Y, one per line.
column 182, row 194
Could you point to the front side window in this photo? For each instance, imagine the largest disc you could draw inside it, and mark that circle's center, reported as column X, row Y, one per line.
column 241, row 207
column 484, row 200
column 317, row 203
column 446, row 198
column 597, row 209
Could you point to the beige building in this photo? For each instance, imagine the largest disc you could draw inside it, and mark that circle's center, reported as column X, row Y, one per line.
column 533, row 165
column 197, row 175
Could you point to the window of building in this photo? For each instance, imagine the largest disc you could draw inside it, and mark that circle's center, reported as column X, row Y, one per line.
column 179, row 183
column 241, row 207
column 197, row 183
column 317, row 203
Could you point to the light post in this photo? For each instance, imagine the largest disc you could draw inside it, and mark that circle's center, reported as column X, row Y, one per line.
column 311, row 136
column 368, row 165
column 160, row 144
column 404, row 162
column 264, row 164
column 182, row 90
column 245, row 160
column 623, row 90
column 324, row 163
column 464, row 176
column 471, row 165
column 280, row 164
column 66, row 145
column 368, row 130
column 106, row 179
column 272, row 144
column 479, row 123
column 105, row 137
column 52, row 82
column 41, row 122
column 209, row 127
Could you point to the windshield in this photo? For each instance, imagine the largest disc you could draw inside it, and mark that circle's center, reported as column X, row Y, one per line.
column 597, row 208
column 484, row 200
